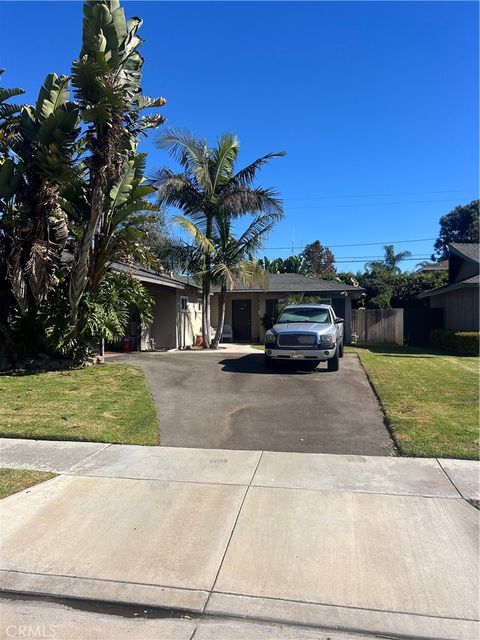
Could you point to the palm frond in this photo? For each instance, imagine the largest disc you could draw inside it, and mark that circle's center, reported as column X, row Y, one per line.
column 199, row 238
column 247, row 175
column 256, row 233
column 224, row 156
column 241, row 200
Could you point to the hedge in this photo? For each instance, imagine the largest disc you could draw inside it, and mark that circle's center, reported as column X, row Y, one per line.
column 461, row 343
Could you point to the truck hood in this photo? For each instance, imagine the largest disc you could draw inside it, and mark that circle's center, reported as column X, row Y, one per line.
column 304, row 327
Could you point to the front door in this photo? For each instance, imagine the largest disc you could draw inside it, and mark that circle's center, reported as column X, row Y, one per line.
column 242, row 320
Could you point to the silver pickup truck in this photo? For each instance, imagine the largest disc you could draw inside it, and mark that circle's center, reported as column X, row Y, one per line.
column 310, row 333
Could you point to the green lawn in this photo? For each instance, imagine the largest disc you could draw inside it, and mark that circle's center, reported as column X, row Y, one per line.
column 13, row 480
column 106, row 403
column 430, row 399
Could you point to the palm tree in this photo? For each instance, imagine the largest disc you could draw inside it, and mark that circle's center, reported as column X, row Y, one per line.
column 210, row 195
column 233, row 259
column 390, row 261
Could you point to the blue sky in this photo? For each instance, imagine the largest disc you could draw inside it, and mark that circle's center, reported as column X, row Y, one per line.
column 376, row 103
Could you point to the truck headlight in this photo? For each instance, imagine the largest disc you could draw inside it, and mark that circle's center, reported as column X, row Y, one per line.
column 328, row 338
column 270, row 336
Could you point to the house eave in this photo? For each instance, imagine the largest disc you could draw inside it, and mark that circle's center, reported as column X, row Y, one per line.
column 448, row 288
column 460, row 254
column 282, row 292
column 150, row 278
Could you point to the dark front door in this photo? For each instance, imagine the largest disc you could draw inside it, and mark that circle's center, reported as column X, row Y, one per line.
column 242, row 320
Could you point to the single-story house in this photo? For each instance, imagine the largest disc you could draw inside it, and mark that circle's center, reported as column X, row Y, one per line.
column 246, row 306
column 177, row 314
column 459, row 299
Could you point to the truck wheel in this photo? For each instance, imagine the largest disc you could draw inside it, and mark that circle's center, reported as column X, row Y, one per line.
column 340, row 350
column 333, row 363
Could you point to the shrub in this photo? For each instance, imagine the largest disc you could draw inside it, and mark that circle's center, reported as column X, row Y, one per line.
column 462, row 343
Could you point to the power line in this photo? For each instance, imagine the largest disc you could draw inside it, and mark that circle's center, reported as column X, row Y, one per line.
column 371, row 204
column 381, row 259
column 379, row 195
column 359, row 244
column 412, row 257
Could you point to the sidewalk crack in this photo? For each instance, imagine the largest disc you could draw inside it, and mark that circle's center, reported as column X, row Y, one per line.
column 449, row 479
column 231, row 533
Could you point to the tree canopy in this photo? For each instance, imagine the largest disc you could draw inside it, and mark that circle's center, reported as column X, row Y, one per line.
column 460, row 225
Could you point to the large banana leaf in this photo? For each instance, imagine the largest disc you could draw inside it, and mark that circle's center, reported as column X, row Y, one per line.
column 9, row 179
column 120, row 192
column 59, row 125
column 53, row 94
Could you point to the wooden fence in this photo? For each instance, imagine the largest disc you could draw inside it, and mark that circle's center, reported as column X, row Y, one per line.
column 378, row 326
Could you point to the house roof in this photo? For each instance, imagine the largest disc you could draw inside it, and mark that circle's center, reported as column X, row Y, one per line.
column 296, row 283
column 434, row 266
column 469, row 283
column 469, row 251
column 145, row 275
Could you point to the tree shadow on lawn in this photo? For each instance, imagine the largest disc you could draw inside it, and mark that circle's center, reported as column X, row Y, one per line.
column 253, row 363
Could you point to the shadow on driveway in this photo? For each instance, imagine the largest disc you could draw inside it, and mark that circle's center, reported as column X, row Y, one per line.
column 253, row 363
column 214, row 401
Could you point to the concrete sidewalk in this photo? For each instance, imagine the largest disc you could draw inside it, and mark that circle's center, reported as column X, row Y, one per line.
column 377, row 545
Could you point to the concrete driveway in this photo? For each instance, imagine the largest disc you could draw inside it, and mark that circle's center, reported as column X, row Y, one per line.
column 230, row 401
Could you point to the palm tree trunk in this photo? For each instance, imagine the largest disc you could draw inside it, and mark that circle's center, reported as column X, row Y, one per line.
column 221, row 316
column 206, row 289
column 206, row 313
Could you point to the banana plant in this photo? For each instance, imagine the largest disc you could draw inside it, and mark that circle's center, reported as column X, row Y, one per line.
column 38, row 163
column 127, row 214
column 106, row 78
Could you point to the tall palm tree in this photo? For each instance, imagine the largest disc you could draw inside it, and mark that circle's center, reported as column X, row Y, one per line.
column 390, row 261
column 210, row 194
column 233, row 259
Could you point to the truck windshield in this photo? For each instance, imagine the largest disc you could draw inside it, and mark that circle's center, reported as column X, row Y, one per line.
column 305, row 314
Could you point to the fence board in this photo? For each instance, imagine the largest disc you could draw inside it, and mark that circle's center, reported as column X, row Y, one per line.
column 378, row 326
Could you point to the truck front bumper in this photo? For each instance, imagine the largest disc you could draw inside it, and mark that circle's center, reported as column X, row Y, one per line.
column 299, row 354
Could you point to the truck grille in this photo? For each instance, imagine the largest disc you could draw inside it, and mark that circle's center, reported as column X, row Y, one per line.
column 304, row 340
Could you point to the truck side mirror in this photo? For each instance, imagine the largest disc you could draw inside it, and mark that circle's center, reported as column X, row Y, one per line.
column 339, row 320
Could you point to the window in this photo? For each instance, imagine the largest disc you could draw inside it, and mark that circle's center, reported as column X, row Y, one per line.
column 305, row 314
column 183, row 304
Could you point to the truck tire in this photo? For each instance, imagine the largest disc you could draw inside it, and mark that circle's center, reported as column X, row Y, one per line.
column 334, row 363
column 340, row 350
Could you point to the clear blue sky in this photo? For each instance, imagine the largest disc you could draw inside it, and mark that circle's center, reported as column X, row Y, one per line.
column 376, row 103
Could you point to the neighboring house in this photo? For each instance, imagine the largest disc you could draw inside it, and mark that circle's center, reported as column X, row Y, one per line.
column 459, row 299
column 246, row 306
column 177, row 314
column 433, row 267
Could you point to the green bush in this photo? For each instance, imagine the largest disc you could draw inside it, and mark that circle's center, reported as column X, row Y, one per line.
column 461, row 343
